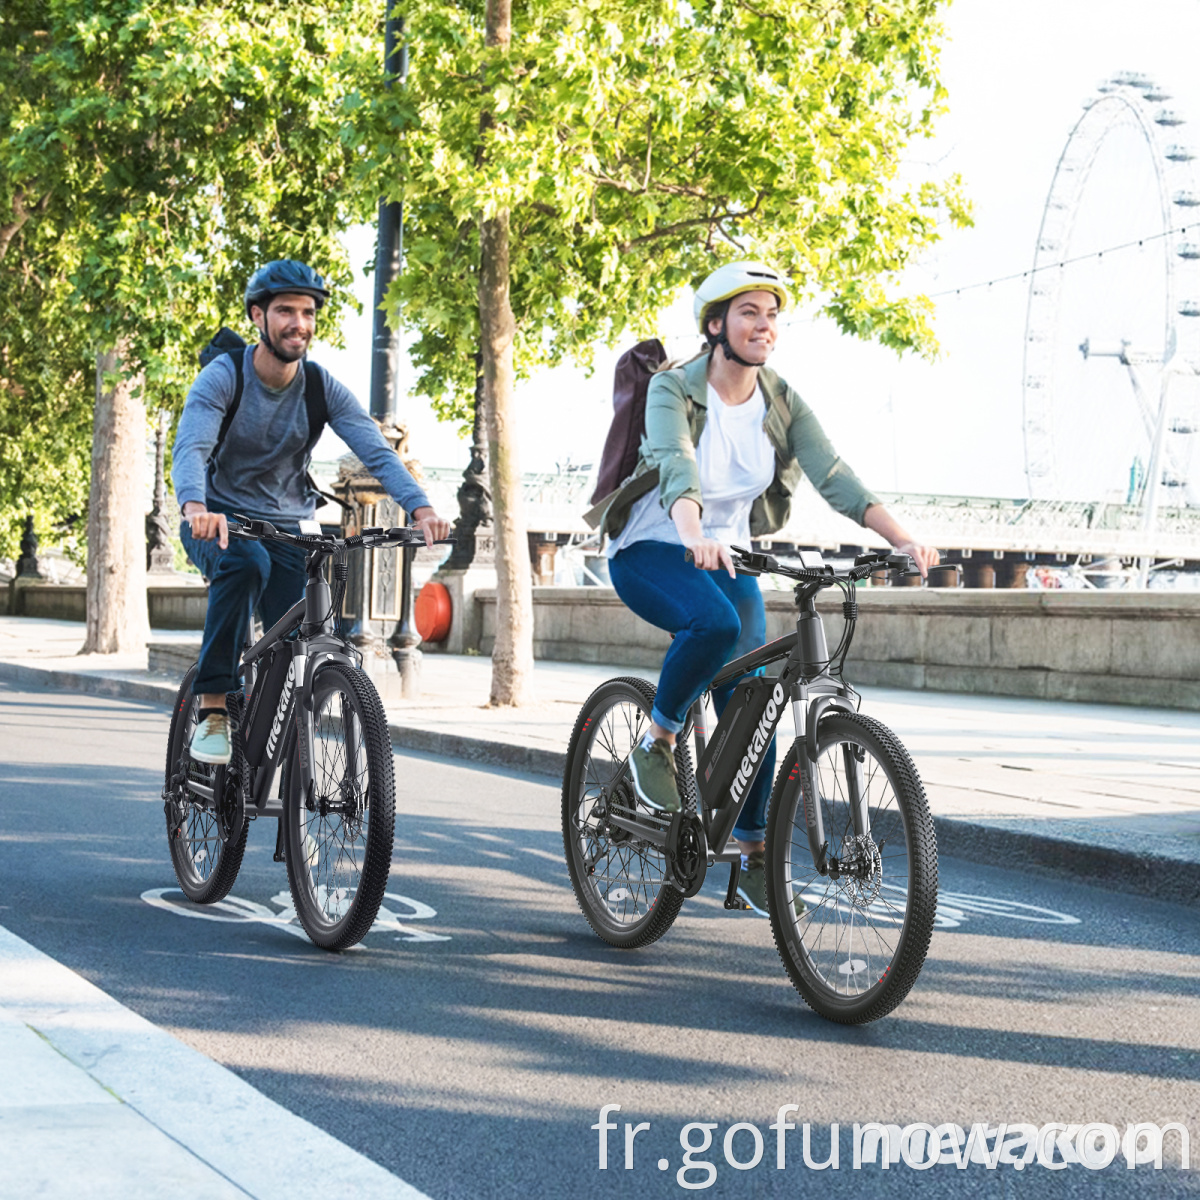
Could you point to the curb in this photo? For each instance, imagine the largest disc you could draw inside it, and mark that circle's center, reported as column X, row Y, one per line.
column 529, row 759
column 93, row 685
column 1156, row 876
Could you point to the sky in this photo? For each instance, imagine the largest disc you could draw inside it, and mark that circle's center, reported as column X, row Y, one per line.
column 1018, row 77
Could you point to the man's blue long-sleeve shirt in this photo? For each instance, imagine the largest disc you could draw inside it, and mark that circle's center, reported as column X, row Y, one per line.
column 261, row 467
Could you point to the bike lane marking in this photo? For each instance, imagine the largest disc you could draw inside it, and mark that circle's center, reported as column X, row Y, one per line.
column 235, row 909
column 954, row 909
column 217, row 1120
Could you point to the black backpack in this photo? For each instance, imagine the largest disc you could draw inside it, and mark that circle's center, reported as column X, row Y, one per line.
column 225, row 341
column 631, row 381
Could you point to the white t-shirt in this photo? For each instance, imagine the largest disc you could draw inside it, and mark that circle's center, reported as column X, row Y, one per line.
column 736, row 462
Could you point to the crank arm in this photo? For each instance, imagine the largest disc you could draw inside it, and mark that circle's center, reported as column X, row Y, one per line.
column 649, row 833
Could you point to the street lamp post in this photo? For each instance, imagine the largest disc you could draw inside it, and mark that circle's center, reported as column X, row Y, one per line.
column 385, row 363
column 474, row 497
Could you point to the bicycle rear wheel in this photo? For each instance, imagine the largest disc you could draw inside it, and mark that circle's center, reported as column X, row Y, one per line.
column 853, row 946
column 206, row 833
column 618, row 878
column 339, row 839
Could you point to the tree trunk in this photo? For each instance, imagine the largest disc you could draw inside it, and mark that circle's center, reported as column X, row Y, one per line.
column 117, row 618
column 512, row 656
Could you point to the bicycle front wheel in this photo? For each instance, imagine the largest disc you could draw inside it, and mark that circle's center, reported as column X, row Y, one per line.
column 853, row 945
column 206, row 833
column 338, row 838
column 619, row 879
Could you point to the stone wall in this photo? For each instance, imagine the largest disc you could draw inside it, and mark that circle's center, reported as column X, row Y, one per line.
column 1110, row 647
column 174, row 607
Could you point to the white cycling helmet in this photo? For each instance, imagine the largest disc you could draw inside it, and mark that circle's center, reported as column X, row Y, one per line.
column 731, row 280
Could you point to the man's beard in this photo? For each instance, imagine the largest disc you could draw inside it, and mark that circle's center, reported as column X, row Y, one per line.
column 284, row 354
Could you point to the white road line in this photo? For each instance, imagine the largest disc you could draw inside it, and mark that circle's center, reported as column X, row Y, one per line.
column 256, row 1144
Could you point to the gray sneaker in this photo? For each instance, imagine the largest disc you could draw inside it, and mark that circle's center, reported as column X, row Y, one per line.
column 653, row 770
column 210, row 742
column 752, row 884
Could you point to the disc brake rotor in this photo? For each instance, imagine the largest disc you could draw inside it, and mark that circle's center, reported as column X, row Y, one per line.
column 863, row 886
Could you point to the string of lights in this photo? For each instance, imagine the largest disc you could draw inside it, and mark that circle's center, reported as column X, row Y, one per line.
column 1066, row 262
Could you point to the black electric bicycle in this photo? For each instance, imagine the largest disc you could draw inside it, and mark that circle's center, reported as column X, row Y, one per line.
column 851, row 858
column 310, row 713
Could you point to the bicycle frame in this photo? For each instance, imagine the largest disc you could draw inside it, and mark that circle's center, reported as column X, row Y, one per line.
column 306, row 636
column 728, row 762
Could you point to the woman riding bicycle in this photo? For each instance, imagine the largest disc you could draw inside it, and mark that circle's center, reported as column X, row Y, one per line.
column 726, row 443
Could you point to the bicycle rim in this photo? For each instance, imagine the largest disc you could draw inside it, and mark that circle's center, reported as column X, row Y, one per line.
column 619, row 879
column 206, row 861
column 855, row 948
column 340, row 837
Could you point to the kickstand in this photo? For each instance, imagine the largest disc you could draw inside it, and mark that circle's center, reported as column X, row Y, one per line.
column 279, row 855
column 732, row 899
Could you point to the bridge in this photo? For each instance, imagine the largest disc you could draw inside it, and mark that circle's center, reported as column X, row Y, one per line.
column 967, row 525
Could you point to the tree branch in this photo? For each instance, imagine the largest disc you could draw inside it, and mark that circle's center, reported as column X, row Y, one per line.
column 22, row 214
column 713, row 221
column 670, row 189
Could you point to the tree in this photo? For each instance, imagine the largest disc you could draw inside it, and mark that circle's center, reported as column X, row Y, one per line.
column 629, row 145
column 45, row 417
column 152, row 153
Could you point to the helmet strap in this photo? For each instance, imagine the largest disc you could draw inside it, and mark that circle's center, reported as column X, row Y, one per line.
column 730, row 354
column 266, row 341
column 265, row 338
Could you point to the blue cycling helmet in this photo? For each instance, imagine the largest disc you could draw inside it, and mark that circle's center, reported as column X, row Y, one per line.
column 284, row 275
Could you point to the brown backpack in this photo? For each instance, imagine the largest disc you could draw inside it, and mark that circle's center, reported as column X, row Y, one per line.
column 631, row 381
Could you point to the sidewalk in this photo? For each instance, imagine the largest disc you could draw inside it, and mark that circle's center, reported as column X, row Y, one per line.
column 95, row 1101
column 1106, row 793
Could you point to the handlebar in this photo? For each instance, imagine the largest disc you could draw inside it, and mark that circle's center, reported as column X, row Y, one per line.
column 376, row 535
column 750, row 562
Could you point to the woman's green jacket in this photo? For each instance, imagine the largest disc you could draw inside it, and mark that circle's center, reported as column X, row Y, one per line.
column 676, row 410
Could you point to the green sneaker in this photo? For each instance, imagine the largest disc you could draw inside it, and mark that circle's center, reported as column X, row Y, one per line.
column 752, row 884
column 210, row 742
column 652, row 765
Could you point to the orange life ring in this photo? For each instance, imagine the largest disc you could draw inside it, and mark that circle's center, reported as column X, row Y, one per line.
column 432, row 612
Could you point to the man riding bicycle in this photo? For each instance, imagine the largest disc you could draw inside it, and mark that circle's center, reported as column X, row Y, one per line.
column 729, row 441
column 257, row 464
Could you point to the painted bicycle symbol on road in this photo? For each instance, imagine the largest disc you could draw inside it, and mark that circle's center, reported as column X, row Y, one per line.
column 394, row 913
column 954, row 909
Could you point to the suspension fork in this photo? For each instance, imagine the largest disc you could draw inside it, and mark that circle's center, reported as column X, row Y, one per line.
column 302, row 710
column 813, row 820
column 857, row 792
column 351, row 736
column 806, row 766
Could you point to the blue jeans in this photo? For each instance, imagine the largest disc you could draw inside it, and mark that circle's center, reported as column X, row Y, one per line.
column 268, row 576
column 714, row 619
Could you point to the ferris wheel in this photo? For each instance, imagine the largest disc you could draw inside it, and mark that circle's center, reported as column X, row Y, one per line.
column 1124, row 181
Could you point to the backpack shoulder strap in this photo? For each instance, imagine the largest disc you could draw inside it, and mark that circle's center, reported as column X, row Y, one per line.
column 317, row 408
column 239, row 383
column 314, row 402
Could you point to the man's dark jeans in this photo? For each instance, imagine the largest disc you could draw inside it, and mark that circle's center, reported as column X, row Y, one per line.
column 268, row 576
